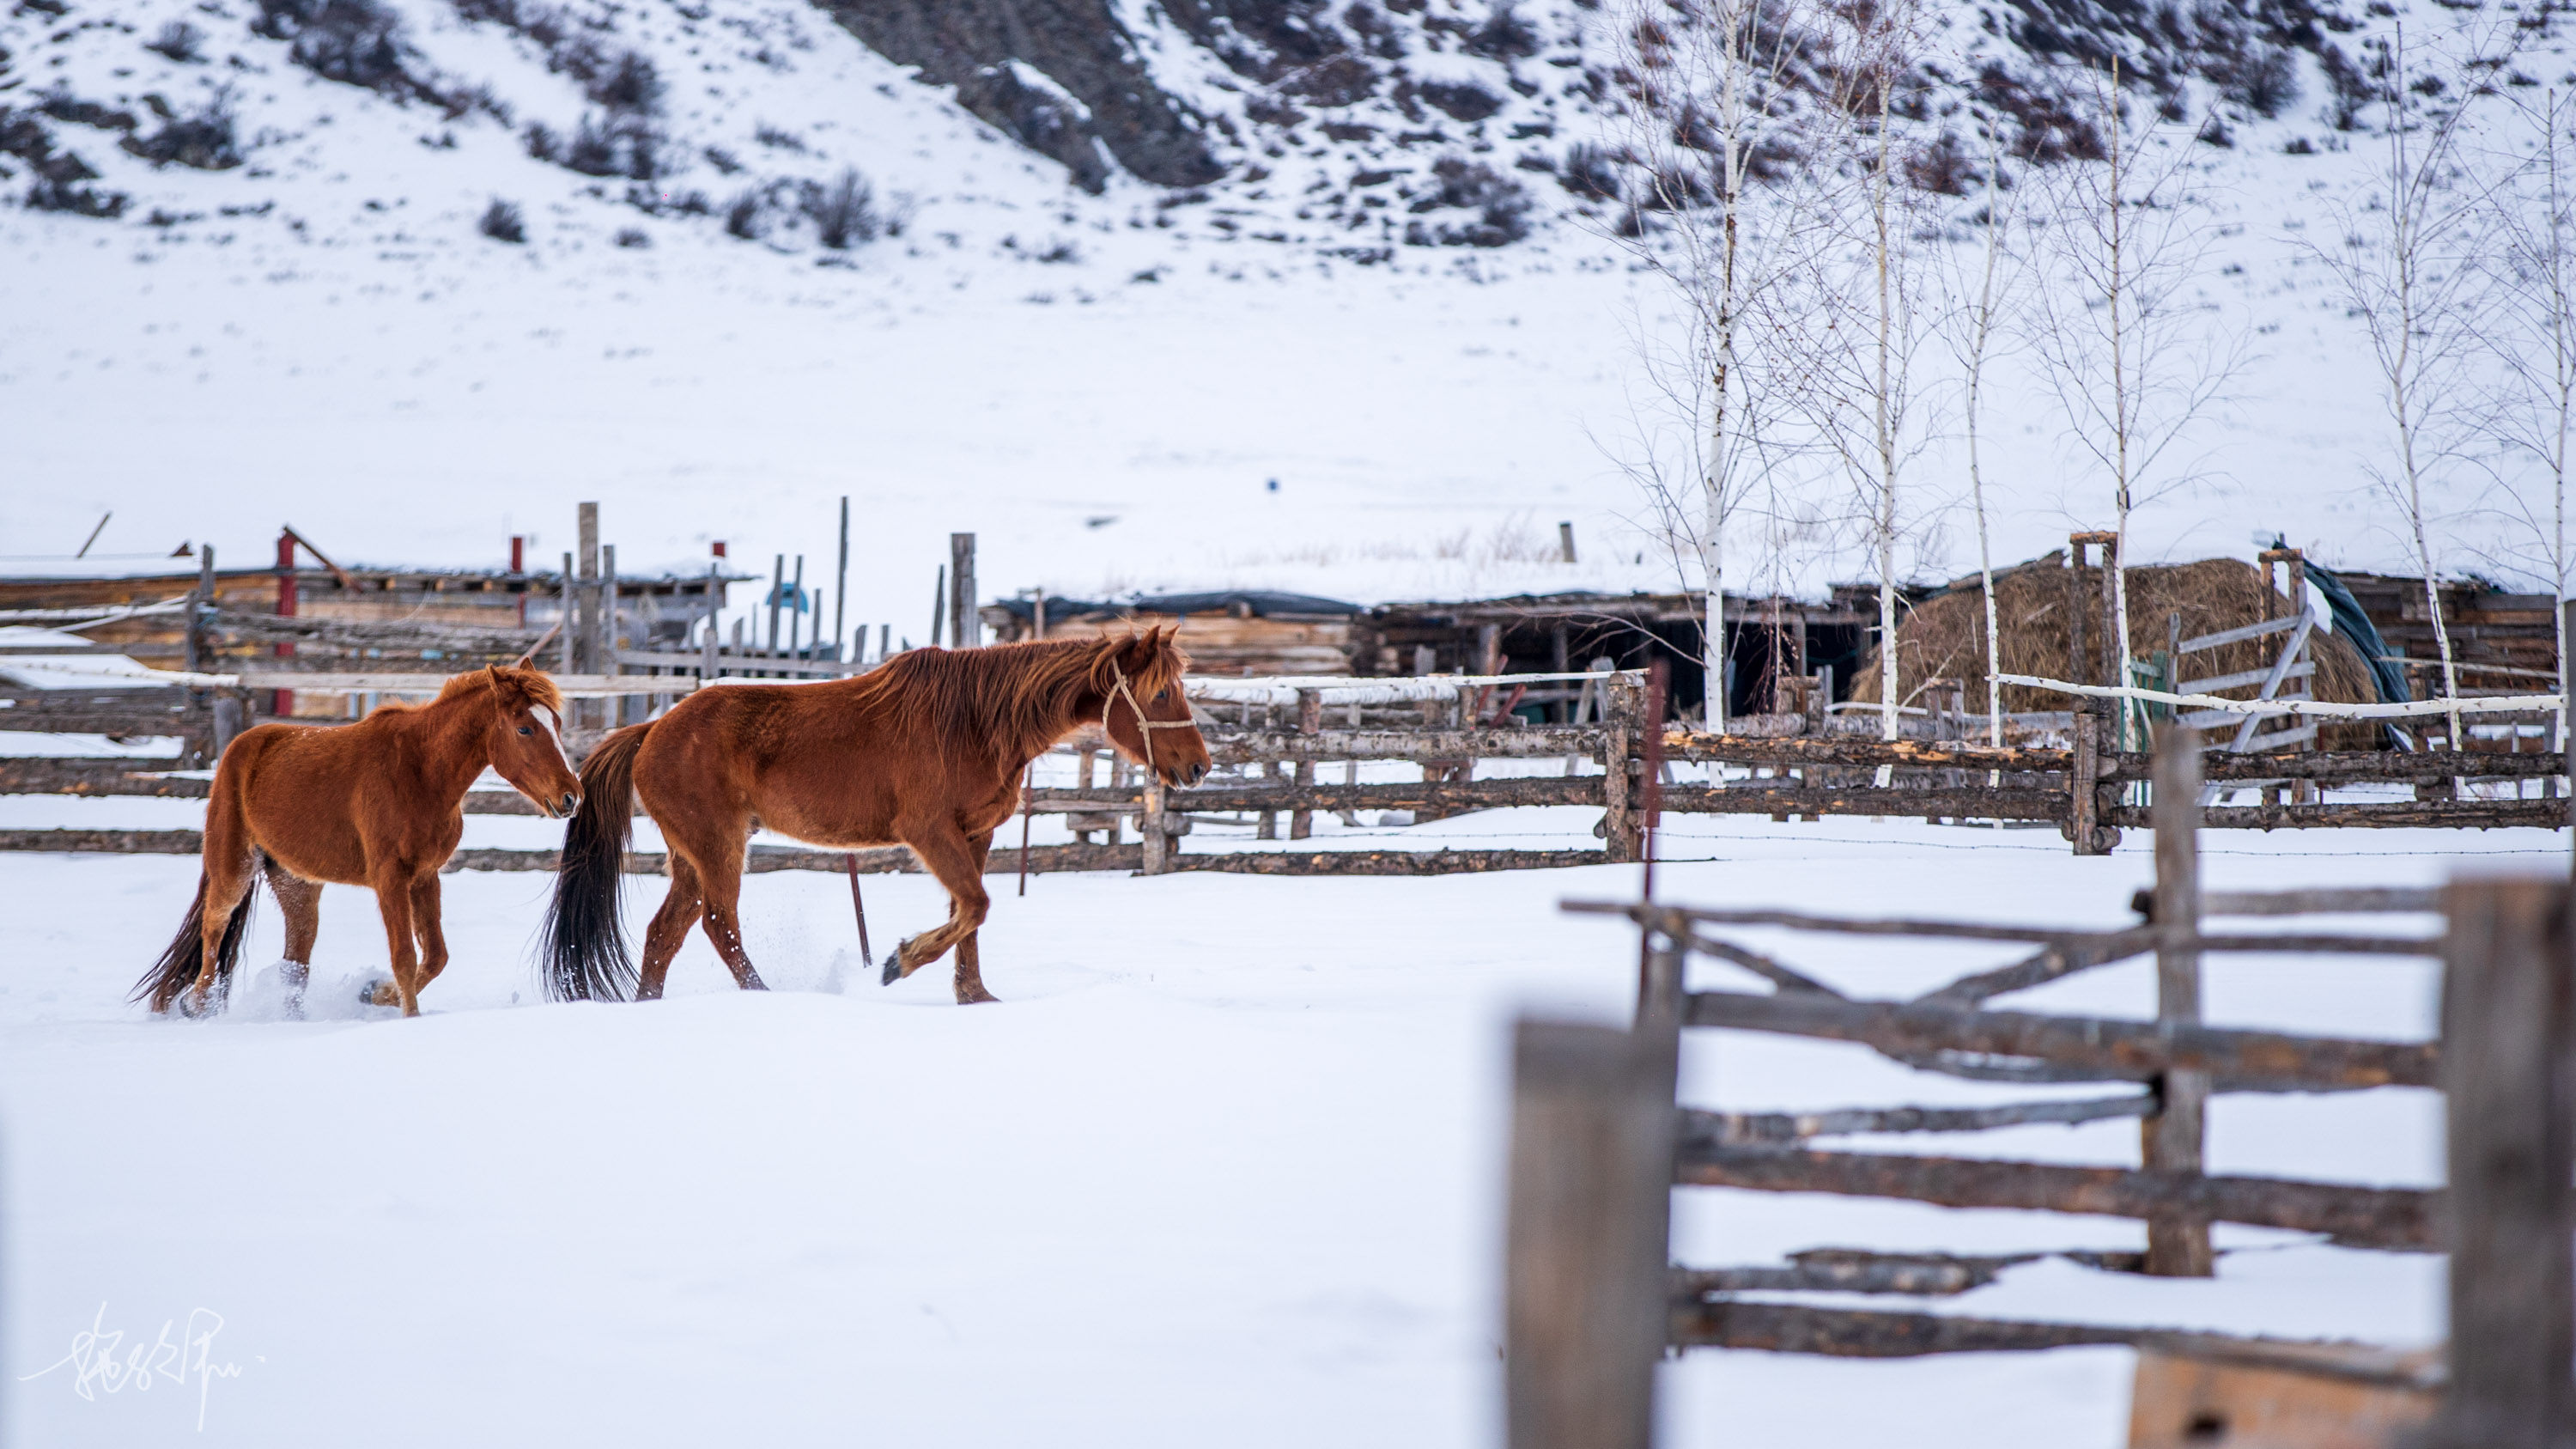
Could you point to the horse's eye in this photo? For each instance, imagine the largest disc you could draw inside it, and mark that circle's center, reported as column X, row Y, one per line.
column 1161, row 694
column 523, row 729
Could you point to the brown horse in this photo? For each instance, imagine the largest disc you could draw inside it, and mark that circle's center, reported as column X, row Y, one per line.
column 378, row 803
column 926, row 751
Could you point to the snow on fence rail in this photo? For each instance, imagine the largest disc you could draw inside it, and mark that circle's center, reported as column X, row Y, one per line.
column 1597, row 1143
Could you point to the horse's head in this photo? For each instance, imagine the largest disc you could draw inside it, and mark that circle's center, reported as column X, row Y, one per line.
column 1148, row 717
column 527, row 739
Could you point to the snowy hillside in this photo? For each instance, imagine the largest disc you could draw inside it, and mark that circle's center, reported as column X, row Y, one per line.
column 766, row 259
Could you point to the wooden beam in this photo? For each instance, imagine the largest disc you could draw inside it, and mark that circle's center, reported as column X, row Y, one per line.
column 1677, row 919
column 37, row 775
column 2051, row 963
column 1753, row 1129
column 2322, row 901
column 2349, row 766
column 1236, row 746
column 1791, row 752
column 1875, row 1333
column 2368, row 1217
column 2378, row 814
column 2112, row 1050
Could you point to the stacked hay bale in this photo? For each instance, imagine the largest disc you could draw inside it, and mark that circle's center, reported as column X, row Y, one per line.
column 1944, row 637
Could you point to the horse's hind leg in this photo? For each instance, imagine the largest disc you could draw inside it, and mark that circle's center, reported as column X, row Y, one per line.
column 300, row 901
column 970, row 951
column 232, row 871
column 670, row 927
column 721, row 879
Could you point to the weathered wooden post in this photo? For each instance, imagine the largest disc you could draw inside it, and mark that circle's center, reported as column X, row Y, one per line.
column 581, row 621
column 603, row 648
column 2508, row 1056
column 965, row 630
column 1155, row 828
column 1619, row 824
column 201, row 608
column 1585, row 1317
column 2083, row 821
column 2170, row 1141
column 283, row 702
column 567, row 630
column 1310, row 720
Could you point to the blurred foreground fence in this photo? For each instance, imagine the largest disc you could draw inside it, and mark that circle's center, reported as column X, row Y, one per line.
column 1598, row 1142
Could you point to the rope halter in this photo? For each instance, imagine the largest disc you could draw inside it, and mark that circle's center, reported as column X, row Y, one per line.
column 1146, row 727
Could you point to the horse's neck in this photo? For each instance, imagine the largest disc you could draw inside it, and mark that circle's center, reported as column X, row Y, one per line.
column 1084, row 710
column 452, row 748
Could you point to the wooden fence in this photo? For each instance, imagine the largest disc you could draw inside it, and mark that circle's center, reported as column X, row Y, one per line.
column 1598, row 1141
column 1278, row 744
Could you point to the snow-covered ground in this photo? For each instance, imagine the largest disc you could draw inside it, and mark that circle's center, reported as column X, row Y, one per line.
column 1226, row 1164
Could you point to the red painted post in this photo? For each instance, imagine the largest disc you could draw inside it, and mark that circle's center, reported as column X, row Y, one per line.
column 519, row 565
column 284, row 703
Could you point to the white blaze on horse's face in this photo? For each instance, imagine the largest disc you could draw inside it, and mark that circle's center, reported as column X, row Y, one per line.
column 554, row 732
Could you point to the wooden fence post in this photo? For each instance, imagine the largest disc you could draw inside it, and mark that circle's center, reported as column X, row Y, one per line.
column 604, row 648
column 2171, row 1140
column 1591, row 1193
column 1310, row 720
column 201, row 606
column 2083, row 813
column 1155, row 828
column 965, row 630
column 1621, row 829
column 2508, row 1045
column 283, row 704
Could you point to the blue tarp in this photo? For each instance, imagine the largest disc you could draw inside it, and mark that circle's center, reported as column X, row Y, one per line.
column 2353, row 624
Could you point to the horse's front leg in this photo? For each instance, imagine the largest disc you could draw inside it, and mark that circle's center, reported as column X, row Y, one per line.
column 428, row 926
column 393, row 901
column 957, row 860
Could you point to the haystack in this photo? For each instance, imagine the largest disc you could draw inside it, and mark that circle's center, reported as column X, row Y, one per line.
column 1944, row 636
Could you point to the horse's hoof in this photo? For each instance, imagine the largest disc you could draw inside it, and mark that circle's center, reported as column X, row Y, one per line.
column 893, row 970
column 978, row 997
column 379, row 993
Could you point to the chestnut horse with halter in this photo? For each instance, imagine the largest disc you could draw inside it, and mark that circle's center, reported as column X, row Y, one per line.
column 379, row 803
column 926, row 750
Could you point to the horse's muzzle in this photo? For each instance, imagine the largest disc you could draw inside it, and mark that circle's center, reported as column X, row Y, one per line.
column 1190, row 775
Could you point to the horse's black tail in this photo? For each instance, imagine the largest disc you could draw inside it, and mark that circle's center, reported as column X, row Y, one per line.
column 185, row 957
column 583, row 950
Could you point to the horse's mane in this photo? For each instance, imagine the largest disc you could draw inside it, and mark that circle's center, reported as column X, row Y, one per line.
column 538, row 686
column 1021, row 696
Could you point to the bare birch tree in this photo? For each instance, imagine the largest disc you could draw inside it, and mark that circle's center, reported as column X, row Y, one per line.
column 2407, row 257
column 2132, row 356
column 1972, row 318
column 1710, row 94
column 1852, row 312
column 2534, row 343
